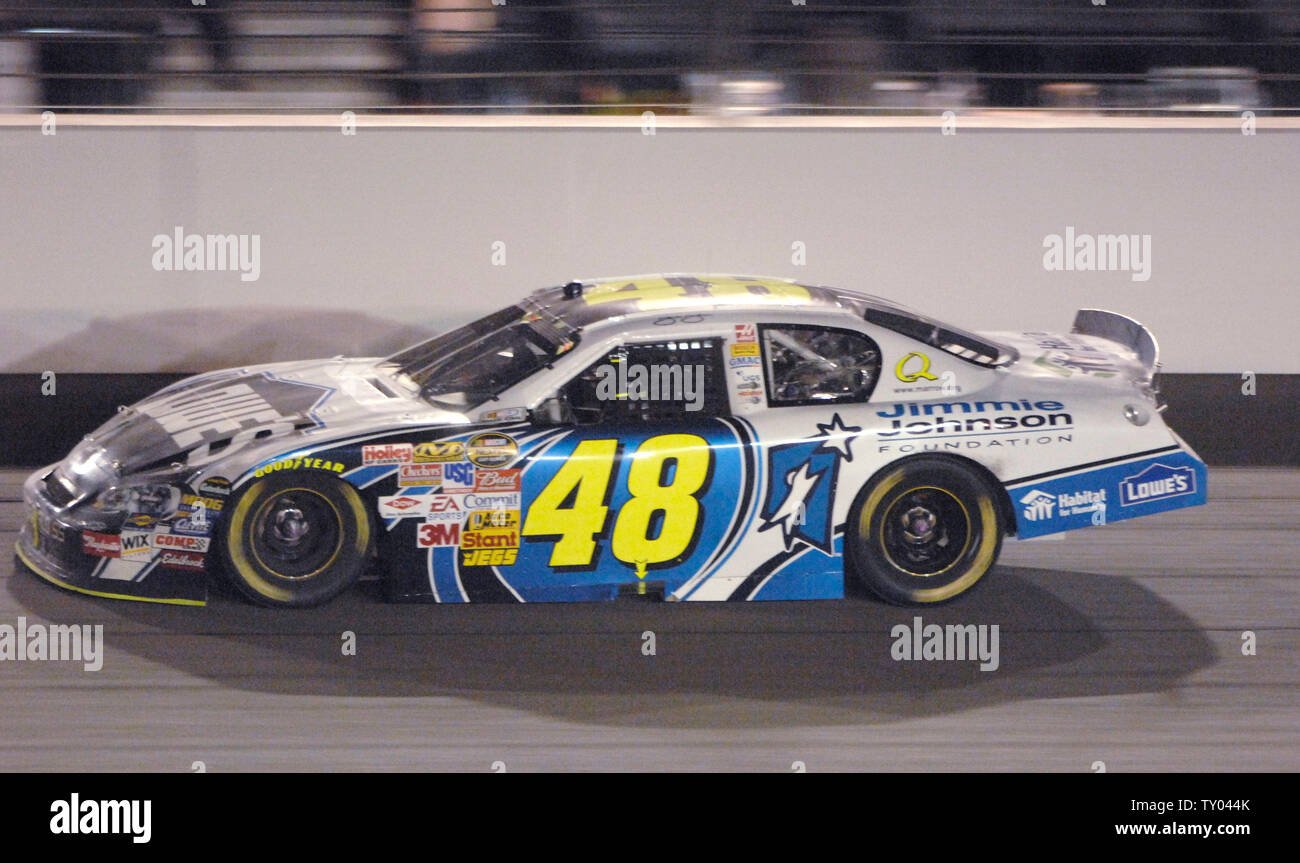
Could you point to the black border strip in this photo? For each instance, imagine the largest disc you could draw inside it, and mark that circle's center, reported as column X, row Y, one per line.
column 1086, row 465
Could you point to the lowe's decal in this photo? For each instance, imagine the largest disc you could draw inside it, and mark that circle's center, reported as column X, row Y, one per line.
column 1111, row 493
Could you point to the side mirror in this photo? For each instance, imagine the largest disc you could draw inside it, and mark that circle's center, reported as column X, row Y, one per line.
column 553, row 411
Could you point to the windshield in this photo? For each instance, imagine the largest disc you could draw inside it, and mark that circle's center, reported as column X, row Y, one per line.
column 468, row 366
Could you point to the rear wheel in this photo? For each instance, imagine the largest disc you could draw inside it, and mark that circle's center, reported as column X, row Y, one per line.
column 296, row 540
column 923, row 532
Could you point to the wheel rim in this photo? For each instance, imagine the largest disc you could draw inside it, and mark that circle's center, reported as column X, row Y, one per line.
column 296, row 533
column 925, row 531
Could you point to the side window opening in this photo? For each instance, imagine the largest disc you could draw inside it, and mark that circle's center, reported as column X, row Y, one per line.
column 810, row 365
column 673, row 379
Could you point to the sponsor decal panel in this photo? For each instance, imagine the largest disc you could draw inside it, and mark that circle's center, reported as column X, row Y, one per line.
column 387, row 453
column 404, row 506
column 438, row 451
column 1155, row 483
column 457, row 478
column 433, row 534
column 744, row 349
column 482, row 519
column 181, row 560
column 419, row 474
column 491, row 449
column 101, row 544
column 488, row 556
column 135, row 542
column 746, row 333
column 496, row 479
column 445, row 507
column 1110, row 493
column 742, row 362
column 180, row 542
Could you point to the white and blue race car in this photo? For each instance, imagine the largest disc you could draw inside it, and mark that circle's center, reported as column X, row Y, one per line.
column 695, row 437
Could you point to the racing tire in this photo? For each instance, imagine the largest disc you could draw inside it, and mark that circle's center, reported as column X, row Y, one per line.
column 922, row 532
column 294, row 540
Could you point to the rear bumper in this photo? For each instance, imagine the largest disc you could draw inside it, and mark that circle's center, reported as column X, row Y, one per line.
column 1115, row 490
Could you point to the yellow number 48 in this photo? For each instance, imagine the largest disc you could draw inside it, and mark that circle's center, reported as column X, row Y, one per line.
column 572, row 505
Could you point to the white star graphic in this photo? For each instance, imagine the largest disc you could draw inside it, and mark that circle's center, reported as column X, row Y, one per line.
column 838, row 436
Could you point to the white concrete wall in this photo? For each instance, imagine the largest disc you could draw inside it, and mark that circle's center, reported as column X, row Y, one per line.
column 369, row 240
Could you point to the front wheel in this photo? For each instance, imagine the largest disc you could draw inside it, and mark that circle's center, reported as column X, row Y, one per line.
column 923, row 532
column 296, row 540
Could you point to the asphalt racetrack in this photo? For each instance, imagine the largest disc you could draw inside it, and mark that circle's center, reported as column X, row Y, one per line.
column 1120, row 644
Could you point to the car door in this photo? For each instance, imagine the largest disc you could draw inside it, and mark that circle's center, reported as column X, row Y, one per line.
column 804, row 389
column 643, row 481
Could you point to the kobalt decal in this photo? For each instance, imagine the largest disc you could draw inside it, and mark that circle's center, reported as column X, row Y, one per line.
column 388, row 453
column 192, row 417
column 437, row 534
column 419, row 474
column 185, row 543
column 497, row 479
column 1157, row 482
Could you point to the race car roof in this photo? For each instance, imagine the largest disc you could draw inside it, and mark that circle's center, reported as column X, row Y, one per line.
column 584, row 302
column 600, row 299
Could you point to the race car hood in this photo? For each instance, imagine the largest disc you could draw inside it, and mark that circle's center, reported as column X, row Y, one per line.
column 210, row 416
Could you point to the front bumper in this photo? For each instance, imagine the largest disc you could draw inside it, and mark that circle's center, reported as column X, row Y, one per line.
column 51, row 544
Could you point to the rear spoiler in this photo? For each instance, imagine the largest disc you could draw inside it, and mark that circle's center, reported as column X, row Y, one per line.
column 1122, row 330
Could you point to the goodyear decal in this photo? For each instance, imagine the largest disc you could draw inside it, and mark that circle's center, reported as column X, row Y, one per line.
column 299, row 464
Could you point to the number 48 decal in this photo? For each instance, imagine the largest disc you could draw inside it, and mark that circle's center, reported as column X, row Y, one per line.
column 573, row 504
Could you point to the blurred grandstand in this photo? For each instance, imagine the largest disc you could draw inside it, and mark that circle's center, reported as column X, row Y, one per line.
column 684, row 56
